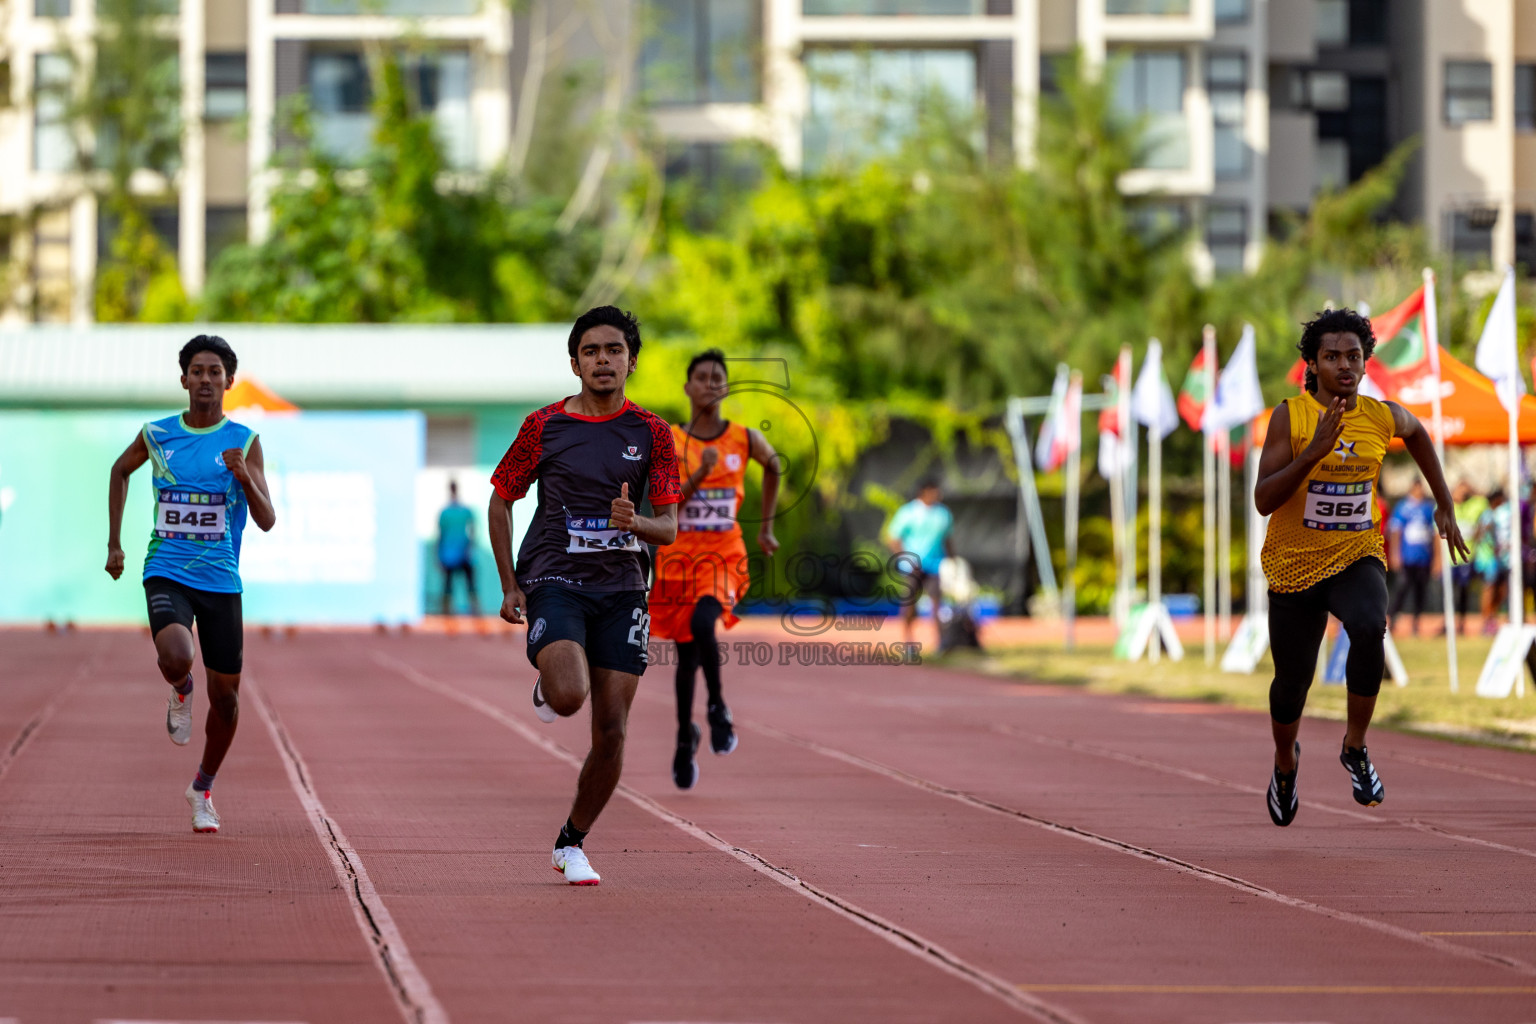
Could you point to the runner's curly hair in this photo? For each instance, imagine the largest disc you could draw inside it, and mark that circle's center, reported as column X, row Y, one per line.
column 1333, row 321
column 607, row 316
column 209, row 343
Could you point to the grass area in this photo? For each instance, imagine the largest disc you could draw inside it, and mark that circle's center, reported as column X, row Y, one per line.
column 1425, row 705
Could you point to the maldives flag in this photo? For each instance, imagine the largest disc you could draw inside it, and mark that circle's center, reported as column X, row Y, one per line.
column 1192, row 395
column 1400, row 360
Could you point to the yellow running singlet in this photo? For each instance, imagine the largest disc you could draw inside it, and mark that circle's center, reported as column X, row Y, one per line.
column 1332, row 521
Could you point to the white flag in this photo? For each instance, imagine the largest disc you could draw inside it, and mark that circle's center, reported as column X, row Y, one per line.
column 1238, row 395
column 1049, row 450
column 1498, row 351
column 1152, row 402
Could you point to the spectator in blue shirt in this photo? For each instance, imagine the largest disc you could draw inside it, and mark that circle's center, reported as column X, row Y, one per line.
column 919, row 534
column 455, row 549
column 1413, row 551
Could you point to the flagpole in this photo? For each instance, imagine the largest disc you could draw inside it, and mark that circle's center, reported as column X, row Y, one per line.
column 1074, row 472
column 1208, row 465
column 1126, row 577
column 1447, row 589
column 1516, row 569
column 1224, row 535
column 1117, row 533
column 1155, row 514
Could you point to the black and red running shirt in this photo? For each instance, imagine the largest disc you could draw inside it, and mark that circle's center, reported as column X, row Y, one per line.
column 580, row 463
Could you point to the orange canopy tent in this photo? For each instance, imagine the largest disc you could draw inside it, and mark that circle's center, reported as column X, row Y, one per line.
column 1469, row 407
column 249, row 393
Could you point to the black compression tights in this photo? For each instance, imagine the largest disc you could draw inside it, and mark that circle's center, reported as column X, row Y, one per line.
column 703, row 651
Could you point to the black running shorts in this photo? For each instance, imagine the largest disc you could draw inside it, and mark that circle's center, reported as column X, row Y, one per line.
column 220, row 624
column 614, row 629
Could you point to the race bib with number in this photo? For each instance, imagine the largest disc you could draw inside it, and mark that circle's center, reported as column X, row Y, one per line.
column 709, row 509
column 190, row 515
column 591, row 534
column 1337, row 506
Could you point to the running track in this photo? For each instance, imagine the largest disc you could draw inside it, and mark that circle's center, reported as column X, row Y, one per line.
column 887, row 845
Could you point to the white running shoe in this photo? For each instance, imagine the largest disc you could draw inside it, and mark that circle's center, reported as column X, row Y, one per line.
column 204, row 817
column 543, row 710
column 571, row 861
column 178, row 717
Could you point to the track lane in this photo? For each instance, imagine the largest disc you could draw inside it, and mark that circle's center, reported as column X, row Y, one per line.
column 754, row 813
column 455, row 819
column 114, row 909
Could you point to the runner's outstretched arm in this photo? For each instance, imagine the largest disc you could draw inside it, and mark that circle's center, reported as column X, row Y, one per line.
column 762, row 452
column 1279, row 473
column 498, row 524
column 250, row 469
column 1419, row 445
column 134, row 456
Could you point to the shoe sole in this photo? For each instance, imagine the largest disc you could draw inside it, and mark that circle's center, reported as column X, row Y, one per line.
column 542, row 709
column 561, row 871
column 205, row 831
column 691, row 782
column 728, row 748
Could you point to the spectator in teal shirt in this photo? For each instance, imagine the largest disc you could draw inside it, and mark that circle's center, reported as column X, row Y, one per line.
column 456, row 549
column 919, row 534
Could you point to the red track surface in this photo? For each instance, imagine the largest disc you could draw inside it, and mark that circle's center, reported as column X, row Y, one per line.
column 886, row 845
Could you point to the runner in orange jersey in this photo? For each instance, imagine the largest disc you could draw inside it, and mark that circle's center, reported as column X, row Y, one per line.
column 701, row 576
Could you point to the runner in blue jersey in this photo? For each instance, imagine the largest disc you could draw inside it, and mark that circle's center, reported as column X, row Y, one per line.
column 208, row 476
column 580, row 579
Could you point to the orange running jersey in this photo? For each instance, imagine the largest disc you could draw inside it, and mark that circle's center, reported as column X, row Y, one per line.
column 1332, row 521
column 709, row 557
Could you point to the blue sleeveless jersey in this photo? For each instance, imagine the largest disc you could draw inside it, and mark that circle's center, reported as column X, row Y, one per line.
column 199, row 505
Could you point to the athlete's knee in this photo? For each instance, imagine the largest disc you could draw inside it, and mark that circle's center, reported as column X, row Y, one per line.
column 608, row 736
column 702, row 622
column 1286, row 701
column 174, row 666
column 1365, row 626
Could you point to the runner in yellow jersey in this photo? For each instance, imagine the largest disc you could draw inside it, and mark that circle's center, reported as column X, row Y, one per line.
column 1323, row 552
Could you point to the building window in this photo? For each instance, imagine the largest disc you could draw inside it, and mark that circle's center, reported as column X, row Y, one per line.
column 1226, row 236
column 1468, row 91
column 1525, row 97
column 224, row 86
column 1328, row 90
column 701, row 51
column 1227, row 82
column 1158, row 221
column 707, row 180
column 53, row 148
column 50, row 8
column 51, row 256
column 1330, row 169
column 1330, row 25
column 341, row 96
column 833, row 8
column 1472, row 234
column 1132, row 7
column 223, row 226
column 1150, row 86
column 1231, row 12
column 1050, row 73
column 1525, row 240
column 397, row 8
column 1368, row 22
column 864, row 102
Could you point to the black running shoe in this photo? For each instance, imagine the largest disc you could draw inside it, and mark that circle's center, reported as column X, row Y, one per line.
column 685, row 770
column 1362, row 775
column 722, row 733
column 1282, row 800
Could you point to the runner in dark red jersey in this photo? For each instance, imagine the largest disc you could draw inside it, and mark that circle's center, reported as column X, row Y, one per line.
column 581, row 571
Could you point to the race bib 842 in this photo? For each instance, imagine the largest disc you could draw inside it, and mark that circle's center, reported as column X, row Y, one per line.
column 1337, row 506
column 190, row 515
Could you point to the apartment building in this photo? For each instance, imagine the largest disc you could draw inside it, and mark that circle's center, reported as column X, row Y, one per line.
column 1252, row 106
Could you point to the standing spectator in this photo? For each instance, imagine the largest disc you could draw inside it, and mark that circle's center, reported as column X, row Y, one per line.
column 1413, row 551
column 1491, row 556
column 1469, row 511
column 456, row 550
column 919, row 534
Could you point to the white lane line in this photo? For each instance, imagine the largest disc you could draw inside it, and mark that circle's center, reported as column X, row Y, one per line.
column 30, row 728
column 901, row 938
column 1094, row 750
column 115, row 1020
column 1144, row 853
column 412, row 992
